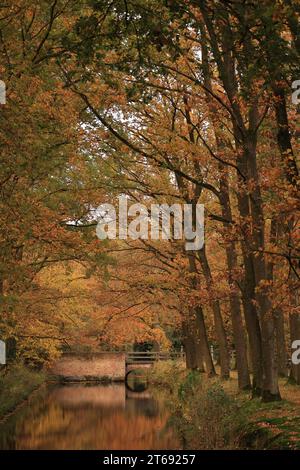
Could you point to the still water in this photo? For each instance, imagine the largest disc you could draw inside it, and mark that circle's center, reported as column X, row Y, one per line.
column 89, row 417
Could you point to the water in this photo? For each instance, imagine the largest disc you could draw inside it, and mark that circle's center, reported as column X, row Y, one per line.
column 89, row 417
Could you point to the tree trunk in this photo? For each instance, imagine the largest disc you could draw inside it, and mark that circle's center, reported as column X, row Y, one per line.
column 270, row 390
column 248, row 300
column 295, row 335
column 254, row 337
column 250, row 204
column 276, row 233
column 270, row 378
column 198, row 327
column 236, row 317
column 201, row 333
column 284, row 137
column 280, row 343
column 192, row 346
column 218, row 320
column 239, row 336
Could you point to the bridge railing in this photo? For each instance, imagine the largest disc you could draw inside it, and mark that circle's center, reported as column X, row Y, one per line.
column 134, row 357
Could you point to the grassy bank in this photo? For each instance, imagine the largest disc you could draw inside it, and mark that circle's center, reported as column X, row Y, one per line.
column 213, row 414
column 16, row 385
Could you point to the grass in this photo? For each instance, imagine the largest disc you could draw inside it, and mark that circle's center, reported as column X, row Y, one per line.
column 214, row 414
column 204, row 415
column 16, row 386
column 269, row 425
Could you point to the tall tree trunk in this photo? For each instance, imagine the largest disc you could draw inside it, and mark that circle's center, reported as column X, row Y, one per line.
column 189, row 347
column 201, row 333
column 236, row 316
column 284, row 137
column 270, row 378
column 218, row 320
column 250, row 205
column 248, row 296
column 295, row 335
column 200, row 330
column 254, row 337
column 192, row 345
column 276, row 232
column 270, row 389
column 280, row 343
column 239, row 336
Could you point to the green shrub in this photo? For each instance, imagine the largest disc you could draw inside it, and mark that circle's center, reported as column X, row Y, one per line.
column 207, row 418
column 168, row 374
column 203, row 414
column 270, row 426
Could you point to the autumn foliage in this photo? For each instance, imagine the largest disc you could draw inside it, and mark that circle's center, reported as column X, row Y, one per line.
column 192, row 106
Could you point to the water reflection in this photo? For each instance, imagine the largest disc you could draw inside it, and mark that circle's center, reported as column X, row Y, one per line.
column 136, row 381
column 89, row 417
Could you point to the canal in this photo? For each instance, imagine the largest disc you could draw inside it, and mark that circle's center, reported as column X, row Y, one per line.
column 89, row 416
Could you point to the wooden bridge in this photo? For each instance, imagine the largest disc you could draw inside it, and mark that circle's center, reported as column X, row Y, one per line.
column 135, row 360
column 113, row 366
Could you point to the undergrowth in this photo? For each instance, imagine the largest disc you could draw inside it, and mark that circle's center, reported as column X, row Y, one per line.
column 206, row 416
column 16, row 385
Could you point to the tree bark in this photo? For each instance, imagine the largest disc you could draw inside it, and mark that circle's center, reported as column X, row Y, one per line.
column 239, row 336
column 201, row 329
column 218, row 320
column 294, row 376
column 248, row 294
column 284, row 137
column 280, row 343
column 270, row 389
column 192, row 346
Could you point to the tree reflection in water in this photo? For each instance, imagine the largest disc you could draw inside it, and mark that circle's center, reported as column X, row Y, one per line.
column 89, row 417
